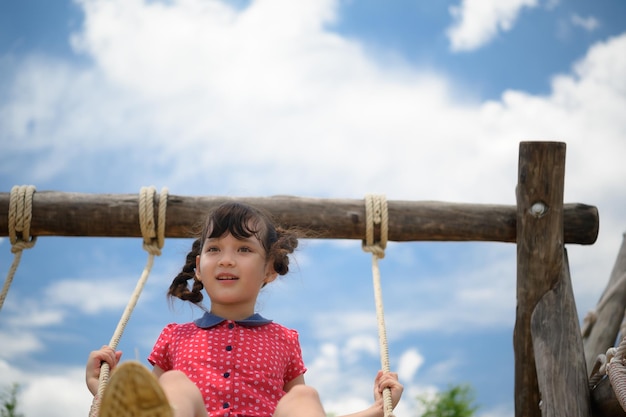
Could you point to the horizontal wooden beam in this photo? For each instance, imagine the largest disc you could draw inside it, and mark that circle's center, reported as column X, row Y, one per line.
column 116, row 215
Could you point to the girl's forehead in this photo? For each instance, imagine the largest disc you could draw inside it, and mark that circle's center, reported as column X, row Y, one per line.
column 253, row 225
column 229, row 236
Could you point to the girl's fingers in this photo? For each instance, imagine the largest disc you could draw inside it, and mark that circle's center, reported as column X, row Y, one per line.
column 105, row 354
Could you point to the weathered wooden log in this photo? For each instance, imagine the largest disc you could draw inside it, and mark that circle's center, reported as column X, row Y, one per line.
column 116, row 215
column 540, row 290
column 558, row 350
column 607, row 318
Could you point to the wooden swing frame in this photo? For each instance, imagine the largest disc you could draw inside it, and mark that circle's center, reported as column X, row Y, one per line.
column 551, row 376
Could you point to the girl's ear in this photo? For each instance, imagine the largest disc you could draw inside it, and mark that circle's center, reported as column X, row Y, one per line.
column 198, row 267
column 270, row 274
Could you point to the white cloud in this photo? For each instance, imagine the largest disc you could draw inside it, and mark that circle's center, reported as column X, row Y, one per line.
column 346, row 325
column 410, row 362
column 92, row 297
column 477, row 22
column 331, row 101
column 360, row 345
column 53, row 391
column 327, row 361
column 442, row 372
column 59, row 395
column 345, row 388
column 37, row 317
column 16, row 344
column 307, row 103
column 8, row 375
column 588, row 23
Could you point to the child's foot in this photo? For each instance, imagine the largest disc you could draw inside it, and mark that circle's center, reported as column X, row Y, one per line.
column 133, row 391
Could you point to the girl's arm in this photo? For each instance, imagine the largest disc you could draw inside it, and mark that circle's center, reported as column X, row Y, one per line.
column 383, row 380
column 299, row 380
column 94, row 364
column 157, row 371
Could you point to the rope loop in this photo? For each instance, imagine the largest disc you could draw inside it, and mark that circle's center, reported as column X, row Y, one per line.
column 152, row 230
column 20, row 216
column 376, row 214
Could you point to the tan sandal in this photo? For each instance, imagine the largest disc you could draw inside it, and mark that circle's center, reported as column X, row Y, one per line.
column 133, row 391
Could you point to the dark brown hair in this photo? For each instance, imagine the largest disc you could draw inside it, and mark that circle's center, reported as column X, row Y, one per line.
column 241, row 221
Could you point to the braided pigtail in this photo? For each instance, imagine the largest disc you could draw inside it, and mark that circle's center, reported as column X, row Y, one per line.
column 180, row 287
column 285, row 244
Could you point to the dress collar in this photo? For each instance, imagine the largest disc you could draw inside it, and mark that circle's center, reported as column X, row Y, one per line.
column 209, row 320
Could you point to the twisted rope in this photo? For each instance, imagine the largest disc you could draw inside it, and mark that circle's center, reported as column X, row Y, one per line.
column 20, row 215
column 153, row 240
column 598, row 371
column 613, row 364
column 616, row 370
column 376, row 214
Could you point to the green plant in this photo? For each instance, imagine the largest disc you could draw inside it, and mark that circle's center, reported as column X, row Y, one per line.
column 8, row 402
column 456, row 401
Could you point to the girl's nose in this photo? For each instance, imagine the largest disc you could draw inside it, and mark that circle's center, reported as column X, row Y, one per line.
column 226, row 259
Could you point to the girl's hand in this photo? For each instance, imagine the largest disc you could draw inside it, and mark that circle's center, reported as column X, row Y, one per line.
column 94, row 363
column 387, row 380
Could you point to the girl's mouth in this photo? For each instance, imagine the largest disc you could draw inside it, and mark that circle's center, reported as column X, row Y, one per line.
column 227, row 278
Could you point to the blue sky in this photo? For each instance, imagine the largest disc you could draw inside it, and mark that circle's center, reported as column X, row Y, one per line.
column 412, row 99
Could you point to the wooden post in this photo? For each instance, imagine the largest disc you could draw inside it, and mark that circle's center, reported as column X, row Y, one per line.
column 550, row 374
column 559, row 353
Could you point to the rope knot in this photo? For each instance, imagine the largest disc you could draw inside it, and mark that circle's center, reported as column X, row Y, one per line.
column 20, row 245
column 375, row 214
column 152, row 230
column 20, row 216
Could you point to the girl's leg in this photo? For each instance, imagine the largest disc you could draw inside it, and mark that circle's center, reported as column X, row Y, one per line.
column 300, row 401
column 182, row 394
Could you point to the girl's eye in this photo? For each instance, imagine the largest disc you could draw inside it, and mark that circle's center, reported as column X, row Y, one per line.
column 245, row 249
column 212, row 249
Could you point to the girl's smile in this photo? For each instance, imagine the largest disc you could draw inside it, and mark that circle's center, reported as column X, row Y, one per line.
column 226, row 277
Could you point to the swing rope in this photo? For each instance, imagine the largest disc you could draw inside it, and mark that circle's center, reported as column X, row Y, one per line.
column 153, row 233
column 616, row 370
column 376, row 214
column 20, row 215
column 613, row 363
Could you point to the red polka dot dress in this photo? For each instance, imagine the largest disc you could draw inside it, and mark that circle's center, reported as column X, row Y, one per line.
column 240, row 367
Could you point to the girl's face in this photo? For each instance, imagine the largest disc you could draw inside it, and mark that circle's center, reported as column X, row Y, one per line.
column 233, row 271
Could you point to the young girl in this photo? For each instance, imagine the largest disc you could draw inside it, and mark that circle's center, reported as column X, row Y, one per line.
column 231, row 361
